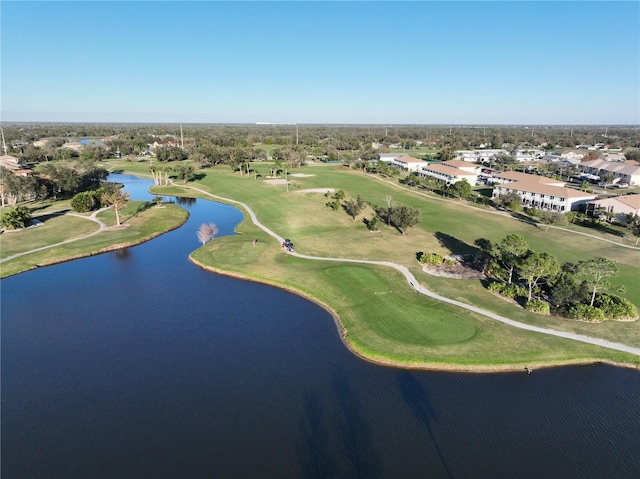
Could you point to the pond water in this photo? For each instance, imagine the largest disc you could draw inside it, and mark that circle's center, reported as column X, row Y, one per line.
column 139, row 364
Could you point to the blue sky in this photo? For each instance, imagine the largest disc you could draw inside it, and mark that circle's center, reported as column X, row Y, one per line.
column 321, row 62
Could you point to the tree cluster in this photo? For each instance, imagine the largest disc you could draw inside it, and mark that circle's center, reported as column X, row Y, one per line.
column 580, row 291
column 398, row 215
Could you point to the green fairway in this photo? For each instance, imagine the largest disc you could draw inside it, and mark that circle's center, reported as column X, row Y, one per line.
column 384, row 318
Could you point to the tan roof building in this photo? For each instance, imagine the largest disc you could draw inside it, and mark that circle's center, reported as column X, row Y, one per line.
column 513, row 176
column 628, row 173
column 10, row 162
column 448, row 173
column 545, row 197
column 408, row 163
column 620, row 206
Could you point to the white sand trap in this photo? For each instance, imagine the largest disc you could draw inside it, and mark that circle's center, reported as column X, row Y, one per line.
column 317, row 190
column 300, row 175
column 276, row 182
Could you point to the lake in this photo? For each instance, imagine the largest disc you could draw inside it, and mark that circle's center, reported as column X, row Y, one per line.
column 139, row 364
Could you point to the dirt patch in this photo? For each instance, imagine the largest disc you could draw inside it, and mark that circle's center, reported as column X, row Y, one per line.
column 458, row 270
column 117, row 227
column 317, row 190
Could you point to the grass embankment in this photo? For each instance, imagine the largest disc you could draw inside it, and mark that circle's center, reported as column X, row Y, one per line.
column 141, row 221
column 384, row 319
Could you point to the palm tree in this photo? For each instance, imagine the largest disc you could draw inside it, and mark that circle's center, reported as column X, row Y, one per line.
column 118, row 200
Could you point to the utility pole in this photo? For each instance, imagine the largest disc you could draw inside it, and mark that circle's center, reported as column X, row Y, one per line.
column 181, row 137
column 4, row 145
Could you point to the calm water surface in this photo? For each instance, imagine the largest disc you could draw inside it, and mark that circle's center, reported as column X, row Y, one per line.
column 139, row 364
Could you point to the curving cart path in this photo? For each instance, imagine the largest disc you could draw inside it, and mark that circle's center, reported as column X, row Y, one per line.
column 92, row 217
column 422, row 290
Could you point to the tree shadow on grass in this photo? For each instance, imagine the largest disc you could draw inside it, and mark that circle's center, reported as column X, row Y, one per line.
column 142, row 207
column 455, row 245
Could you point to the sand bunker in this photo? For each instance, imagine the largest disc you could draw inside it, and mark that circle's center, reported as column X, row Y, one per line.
column 300, row 175
column 317, row 190
column 276, row 182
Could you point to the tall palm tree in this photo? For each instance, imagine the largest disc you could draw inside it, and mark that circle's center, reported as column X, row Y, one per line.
column 118, row 200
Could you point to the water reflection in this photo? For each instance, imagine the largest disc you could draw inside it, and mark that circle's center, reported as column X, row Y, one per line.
column 185, row 200
column 416, row 396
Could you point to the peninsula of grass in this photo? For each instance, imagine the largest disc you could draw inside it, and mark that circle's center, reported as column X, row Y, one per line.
column 141, row 221
column 381, row 317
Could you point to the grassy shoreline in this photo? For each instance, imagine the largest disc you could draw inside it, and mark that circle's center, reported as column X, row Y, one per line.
column 143, row 226
column 381, row 360
column 370, row 335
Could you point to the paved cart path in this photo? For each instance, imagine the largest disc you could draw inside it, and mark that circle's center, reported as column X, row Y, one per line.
column 422, row 290
column 92, row 217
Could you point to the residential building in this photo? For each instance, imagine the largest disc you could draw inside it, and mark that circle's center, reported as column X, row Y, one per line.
column 573, row 155
column 544, row 196
column 449, row 172
column 516, row 176
column 479, row 155
column 389, row 157
column 528, row 154
column 628, row 173
column 407, row 163
column 620, row 206
column 9, row 162
column 614, row 157
column 73, row 145
column 163, row 144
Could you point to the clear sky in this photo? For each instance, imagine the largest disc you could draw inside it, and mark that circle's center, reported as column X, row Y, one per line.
column 321, row 62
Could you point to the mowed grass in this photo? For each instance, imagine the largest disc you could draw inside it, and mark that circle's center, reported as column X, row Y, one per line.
column 388, row 320
column 385, row 321
column 54, row 229
column 141, row 222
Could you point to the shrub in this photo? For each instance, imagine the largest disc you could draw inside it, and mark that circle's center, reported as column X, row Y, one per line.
column 18, row 217
column 432, row 259
column 513, row 291
column 586, row 313
column 373, row 224
column 84, row 202
column 507, row 290
column 537, row 306
column 615, row 307
column 334, row 205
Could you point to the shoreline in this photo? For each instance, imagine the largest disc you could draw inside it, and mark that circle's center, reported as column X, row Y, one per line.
column 107, row 249
column 421, row 366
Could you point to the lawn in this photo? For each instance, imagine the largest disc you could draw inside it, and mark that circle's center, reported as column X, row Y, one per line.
column 382, row 315
column 142, row 222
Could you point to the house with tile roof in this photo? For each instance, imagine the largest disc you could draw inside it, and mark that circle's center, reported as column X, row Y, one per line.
column 407, row 163
column 545, row 196
column 474, row 156
column 620, row 206
column 514, row 176
column 628, row 173
column 9, row 162
column 449, row 172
